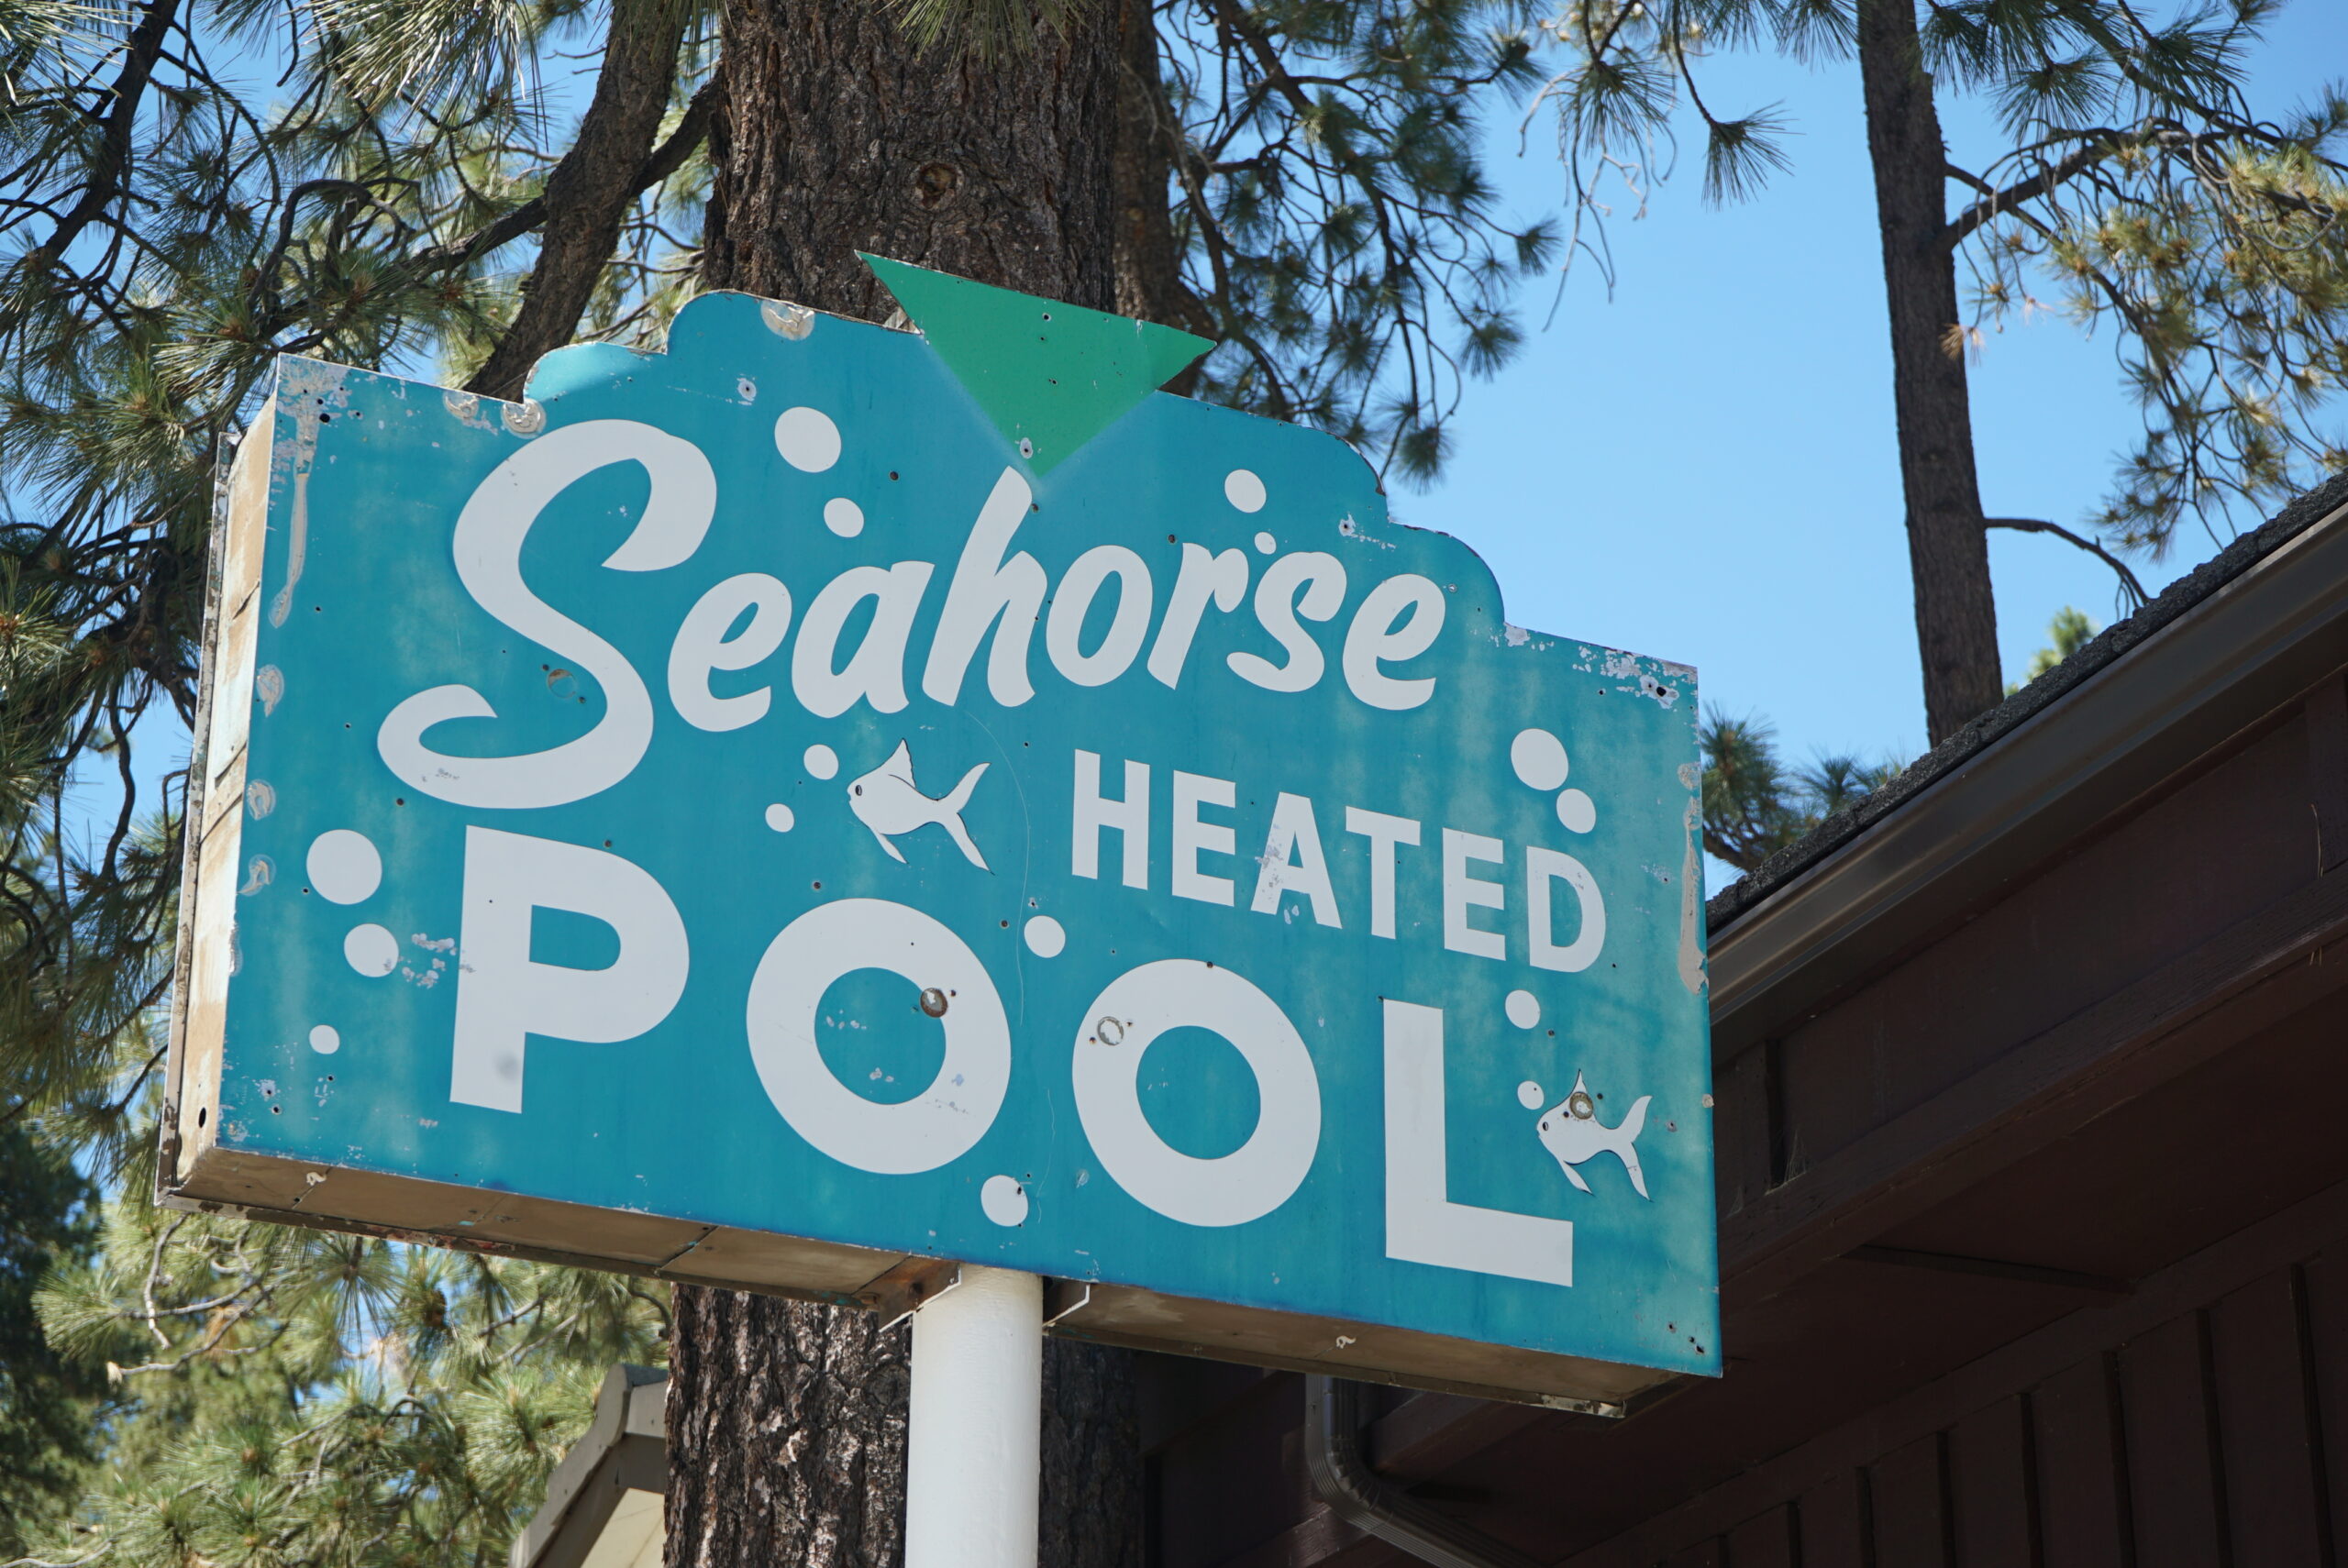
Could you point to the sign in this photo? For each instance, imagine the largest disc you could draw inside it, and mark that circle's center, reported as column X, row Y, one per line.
column 825, row 801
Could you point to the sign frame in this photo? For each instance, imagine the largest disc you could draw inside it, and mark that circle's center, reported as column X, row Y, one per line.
column 200, row 1171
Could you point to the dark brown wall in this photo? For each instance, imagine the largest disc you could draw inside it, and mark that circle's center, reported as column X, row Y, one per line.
column 2200, row 1440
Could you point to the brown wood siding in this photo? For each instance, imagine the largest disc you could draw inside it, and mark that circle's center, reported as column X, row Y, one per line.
column 2198, row 1444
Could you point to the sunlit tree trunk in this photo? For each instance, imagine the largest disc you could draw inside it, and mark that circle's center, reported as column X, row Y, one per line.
column 1948, row 551
column 787, row 1422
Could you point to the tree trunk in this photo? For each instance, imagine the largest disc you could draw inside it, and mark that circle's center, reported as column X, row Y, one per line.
column 787, row 1422
column 1149, row 259
column 1949, row 549
column 839, row 137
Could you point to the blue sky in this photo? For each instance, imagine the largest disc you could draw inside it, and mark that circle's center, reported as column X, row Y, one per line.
column 1702, row 467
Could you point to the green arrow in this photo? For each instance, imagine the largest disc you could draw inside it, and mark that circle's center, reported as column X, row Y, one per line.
column 1049, row 374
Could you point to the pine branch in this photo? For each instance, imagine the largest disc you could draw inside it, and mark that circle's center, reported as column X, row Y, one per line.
column 512, row 225
column 141, row 55
column 2134, row 591
column 588, row 194
column 1996, row 202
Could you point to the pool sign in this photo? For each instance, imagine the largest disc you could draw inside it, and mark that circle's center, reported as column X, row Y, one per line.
column 825, row 801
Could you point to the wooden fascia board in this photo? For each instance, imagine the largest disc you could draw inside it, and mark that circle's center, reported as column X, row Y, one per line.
column 2186, row 1013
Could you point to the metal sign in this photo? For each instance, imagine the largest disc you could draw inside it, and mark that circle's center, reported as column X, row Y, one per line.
column 826, row 799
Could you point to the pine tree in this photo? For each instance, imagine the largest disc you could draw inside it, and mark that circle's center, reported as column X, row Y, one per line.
column 2135, row 180
column 1755, row 805
column 50, row 1407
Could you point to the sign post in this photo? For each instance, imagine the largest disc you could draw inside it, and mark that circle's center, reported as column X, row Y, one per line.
column 973, row 1438
column 829, row 809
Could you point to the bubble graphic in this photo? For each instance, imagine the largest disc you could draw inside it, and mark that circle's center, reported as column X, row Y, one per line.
column 820, row 761
column 1528, row 1094
column 807, row 439
column 371, row 950
column 1539, row 758
column 844, row 517
column 1243, row 489
column 779, row 817
column 1523, row 1009
column 324, row 1041
column 1004, row 1200
column 1046, row 937
column 1576, row 810
column 1265, row 543
column 343, row 865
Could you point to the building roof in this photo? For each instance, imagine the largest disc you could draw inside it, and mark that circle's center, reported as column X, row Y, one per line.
column 1739, row 899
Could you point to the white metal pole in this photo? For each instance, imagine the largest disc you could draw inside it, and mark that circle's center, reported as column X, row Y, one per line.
column 973, row 1448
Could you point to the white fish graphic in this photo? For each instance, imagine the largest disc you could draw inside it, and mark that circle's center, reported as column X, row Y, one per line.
column 1572, row 1133
column 888, row 801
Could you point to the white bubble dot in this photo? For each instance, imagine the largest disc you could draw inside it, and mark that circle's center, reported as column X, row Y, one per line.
column 822, row 761
column 807, row 439
column 324, row 1041
column 1539, row 758
column 1046, row 937
column 1576, row 810
column 779, row 817
column 344, row 866
column 1004, row 1200
column 1265, row 543
column 1528, row 1094
column 1243, row 489
column 1523, row 1009
column 371, row 950
column 844, row 517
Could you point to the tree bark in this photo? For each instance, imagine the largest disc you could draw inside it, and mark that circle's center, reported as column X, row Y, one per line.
column 1949, row 549
column 1148, row 257
column 838, row 135
column 588, row 194
column 786, row 1421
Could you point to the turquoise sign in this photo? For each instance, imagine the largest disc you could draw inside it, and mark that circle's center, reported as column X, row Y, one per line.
column 931, row 791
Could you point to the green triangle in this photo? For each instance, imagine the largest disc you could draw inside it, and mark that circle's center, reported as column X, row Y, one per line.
column 1050, row 374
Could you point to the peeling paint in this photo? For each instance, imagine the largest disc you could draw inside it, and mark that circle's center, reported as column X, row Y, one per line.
column 269, row 685
column 793, row 322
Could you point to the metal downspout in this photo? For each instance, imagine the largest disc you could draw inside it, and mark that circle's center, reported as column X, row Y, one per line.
column 1367, row 1501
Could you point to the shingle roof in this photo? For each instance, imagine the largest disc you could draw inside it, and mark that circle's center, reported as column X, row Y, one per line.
column 1742, row 897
